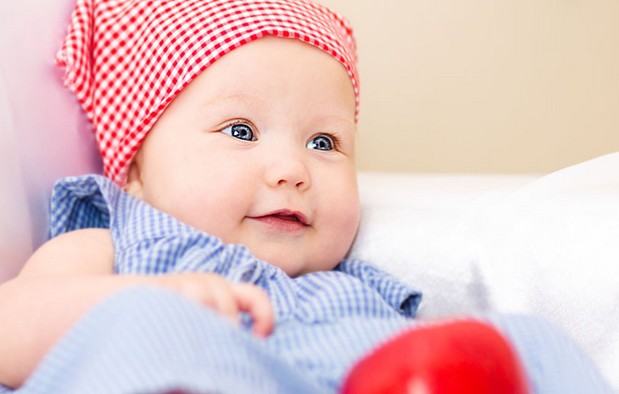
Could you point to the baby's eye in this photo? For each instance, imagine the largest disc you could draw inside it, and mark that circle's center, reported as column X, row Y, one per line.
column 321, row 142
column 240, row 131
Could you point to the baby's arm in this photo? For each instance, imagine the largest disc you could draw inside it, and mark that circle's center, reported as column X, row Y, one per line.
column 70, row 274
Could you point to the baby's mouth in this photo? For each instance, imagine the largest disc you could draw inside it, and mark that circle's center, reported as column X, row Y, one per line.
column 283, row 220
column 287, row 217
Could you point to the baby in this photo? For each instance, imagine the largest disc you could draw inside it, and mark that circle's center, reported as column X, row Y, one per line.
column 227, row 132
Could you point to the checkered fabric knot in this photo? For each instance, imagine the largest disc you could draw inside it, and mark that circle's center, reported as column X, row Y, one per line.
column 126, row 60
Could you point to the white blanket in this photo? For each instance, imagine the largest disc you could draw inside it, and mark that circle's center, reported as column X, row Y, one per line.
column 544, row 245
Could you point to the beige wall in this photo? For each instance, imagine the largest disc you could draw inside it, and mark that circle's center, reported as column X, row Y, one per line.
column 485, row 85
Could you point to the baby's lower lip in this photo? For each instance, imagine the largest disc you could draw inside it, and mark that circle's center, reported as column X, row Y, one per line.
column 280, row 224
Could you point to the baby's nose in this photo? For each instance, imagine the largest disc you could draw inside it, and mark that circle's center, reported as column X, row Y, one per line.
column 288, row 170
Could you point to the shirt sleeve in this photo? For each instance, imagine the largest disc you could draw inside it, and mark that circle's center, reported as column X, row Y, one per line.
column 402, row 297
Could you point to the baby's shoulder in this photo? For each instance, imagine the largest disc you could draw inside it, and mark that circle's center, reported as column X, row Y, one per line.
column 88, row 251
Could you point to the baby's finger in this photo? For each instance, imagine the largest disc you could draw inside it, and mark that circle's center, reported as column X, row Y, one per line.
column 223, row 300
column 254, row 300
column 210, row 291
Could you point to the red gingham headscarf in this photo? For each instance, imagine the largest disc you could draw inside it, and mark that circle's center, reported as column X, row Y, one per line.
column 126, row 60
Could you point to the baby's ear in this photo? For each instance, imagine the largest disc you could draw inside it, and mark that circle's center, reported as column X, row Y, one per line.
column 134, row 180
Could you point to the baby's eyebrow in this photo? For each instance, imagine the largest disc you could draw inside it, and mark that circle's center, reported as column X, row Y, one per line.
column 236, row 97
column 342, row 121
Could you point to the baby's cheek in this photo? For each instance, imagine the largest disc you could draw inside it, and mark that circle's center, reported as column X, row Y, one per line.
column 205, row 208
column 350, row 228
column 343, row 224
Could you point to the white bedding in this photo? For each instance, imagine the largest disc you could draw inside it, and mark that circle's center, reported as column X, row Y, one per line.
column 545, row 245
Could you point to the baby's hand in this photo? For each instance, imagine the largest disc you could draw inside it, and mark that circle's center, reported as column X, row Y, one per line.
column 225, row 297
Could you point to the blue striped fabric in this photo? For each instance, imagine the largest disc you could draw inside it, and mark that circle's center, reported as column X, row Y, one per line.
column 145, row 340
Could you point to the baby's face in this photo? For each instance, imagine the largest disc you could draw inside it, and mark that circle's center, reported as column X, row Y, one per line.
column 259, row 150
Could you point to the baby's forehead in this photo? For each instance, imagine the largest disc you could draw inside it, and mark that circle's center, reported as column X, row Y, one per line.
column 253, row 79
